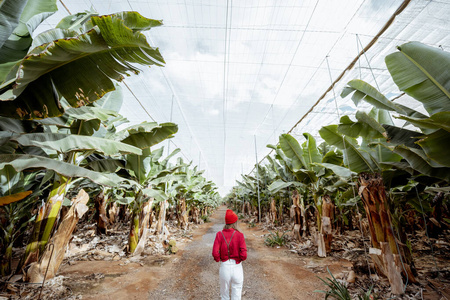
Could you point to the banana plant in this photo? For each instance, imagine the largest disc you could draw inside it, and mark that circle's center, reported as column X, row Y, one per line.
column 19, row 196
column 190, row 189
column 145, row 168
column 64, row 153
column 37, row 91
column 310, row 167
column 419, row 71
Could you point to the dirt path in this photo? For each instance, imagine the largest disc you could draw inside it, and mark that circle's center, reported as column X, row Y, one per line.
column 269, row 273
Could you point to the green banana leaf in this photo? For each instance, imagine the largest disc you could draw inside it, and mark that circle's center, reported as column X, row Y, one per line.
column 421, row 71
column 16, row 40
column 10, row 11
column 76, row 21
column 431, row 189
column 105, row 165
column 436, row 145
column 247, row 184
column 158, row 195
column 291, row 148
column 22, row 162
column 165, row 161
column 164, row 177
column 71, row 68
column 17, row 126
column 338, row 170
column 364, row 91
column 310, row 152
column 64, row 143
column 402, row 165
column 146, row 134
column 439, row 120
column 72, row 117
column 401, row 136
column 157, row 154
column 279, row 184
column 332, row 157
column 135, row 21
column 139, row 165
column 367, row 126
column 419, row 163
column 355, row 158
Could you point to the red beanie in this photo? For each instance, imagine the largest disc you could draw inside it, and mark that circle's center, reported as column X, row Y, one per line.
column 230, row 217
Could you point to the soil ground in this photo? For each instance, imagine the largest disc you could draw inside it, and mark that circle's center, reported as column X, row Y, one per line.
column 269, row 273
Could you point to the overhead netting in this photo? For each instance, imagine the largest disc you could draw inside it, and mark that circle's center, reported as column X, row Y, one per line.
column 243, row 72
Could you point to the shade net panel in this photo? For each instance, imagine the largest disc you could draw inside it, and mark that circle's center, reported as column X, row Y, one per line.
column 240, row 73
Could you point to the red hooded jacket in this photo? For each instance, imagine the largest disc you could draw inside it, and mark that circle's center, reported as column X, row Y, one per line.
column 238, row 249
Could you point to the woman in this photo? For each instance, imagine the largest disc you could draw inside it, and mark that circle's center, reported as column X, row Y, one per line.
column 230, row 249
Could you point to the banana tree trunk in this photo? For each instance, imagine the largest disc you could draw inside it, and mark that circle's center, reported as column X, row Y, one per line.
column 100, row 213
column 53, row 256
column 45, row 224
column 327, row 222
column 195, row 213
column 182, row 214
column 280, row 213
column 297, row 215
column 161, row 217
column 112, row 213
column 272, row 211
column 386, row 253
column 133, row 237
column 143, row 227
column 5, row 265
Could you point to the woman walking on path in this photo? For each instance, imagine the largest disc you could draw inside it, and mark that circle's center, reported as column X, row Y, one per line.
column 230, row 249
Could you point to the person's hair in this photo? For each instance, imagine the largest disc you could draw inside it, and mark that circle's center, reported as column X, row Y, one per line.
column 232, row 225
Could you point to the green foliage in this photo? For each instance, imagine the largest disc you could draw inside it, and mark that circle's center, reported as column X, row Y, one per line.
column 206, row 218
column 251, row 224
column 64, row 63
column 339, row 291
column 275, row 239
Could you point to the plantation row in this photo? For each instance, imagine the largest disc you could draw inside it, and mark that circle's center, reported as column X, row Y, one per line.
column 61, row 150
column 395, row 176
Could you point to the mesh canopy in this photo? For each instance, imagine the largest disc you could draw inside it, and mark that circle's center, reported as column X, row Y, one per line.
column 243, row 72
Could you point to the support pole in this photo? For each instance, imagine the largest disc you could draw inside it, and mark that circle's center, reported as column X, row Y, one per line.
column 165, row 186
column 257, row 178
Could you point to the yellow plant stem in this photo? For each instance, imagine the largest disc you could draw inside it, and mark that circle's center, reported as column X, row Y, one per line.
column 33, row 245
column 54, row 203
column 134, row 233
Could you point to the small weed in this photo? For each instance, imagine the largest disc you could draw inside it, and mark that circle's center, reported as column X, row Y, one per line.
column 339, row 291
column 205, row 218
column 275, row 239
column 251, row 224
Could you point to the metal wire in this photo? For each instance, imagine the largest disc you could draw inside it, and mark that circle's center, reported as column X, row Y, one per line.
column 225, row 81
column 49, row 261
column 289, row 66
column 257, row 178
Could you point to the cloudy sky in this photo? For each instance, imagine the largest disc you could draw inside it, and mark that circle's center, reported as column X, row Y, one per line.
column 240, row 72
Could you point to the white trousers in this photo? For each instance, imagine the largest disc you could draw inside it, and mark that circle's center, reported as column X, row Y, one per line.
column 231, row 275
